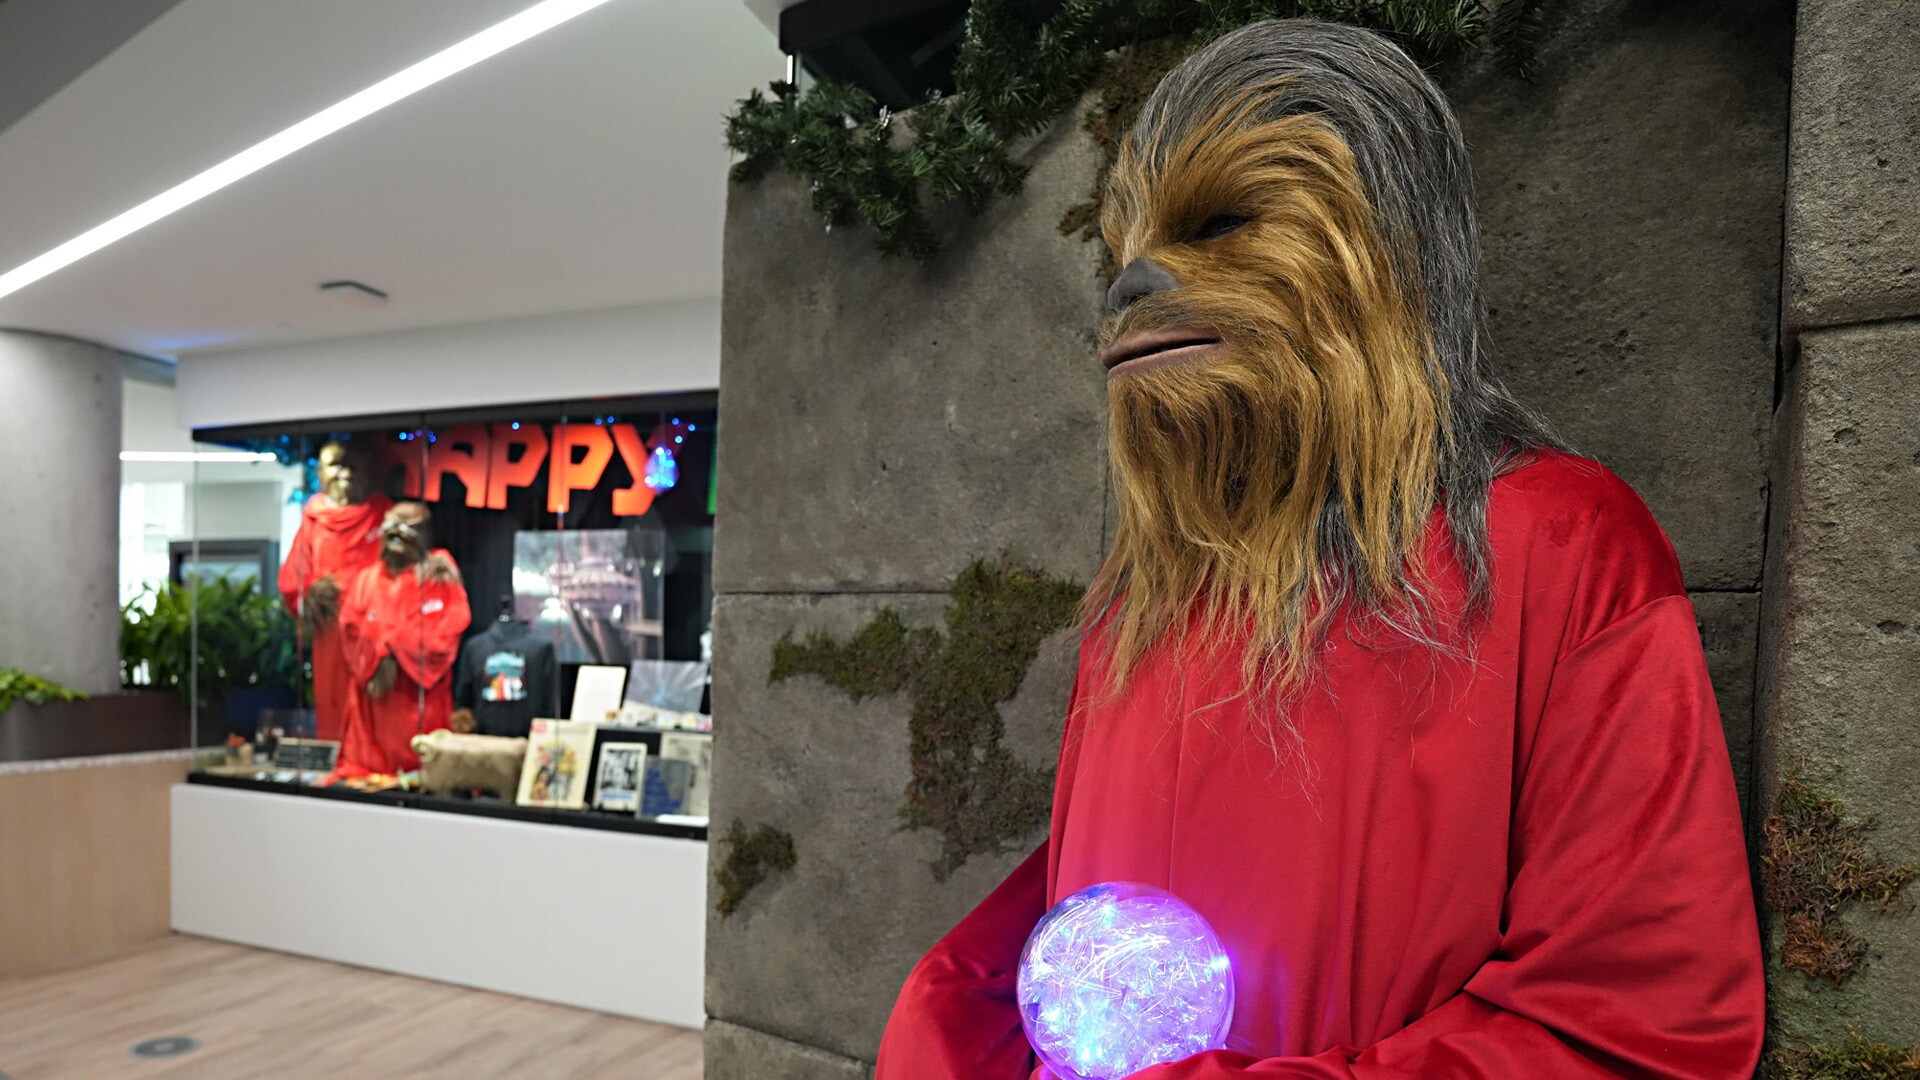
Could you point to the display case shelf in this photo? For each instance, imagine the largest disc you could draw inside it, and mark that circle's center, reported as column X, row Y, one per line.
column 449, row 804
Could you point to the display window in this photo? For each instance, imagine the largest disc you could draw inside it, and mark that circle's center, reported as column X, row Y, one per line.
column 502, row 611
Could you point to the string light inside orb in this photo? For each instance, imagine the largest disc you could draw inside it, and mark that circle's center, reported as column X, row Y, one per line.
column 662, row 470
column 1121, row 976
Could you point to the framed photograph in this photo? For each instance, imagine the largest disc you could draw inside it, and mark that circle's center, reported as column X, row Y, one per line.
column 696, row 749
column 597, row 594
column 621, row 777
column 669, row 780
column 596, row 693
column 559, row 753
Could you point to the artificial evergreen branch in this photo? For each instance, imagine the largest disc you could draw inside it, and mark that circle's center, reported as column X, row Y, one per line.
column 1013, row 80
column 1516, row 26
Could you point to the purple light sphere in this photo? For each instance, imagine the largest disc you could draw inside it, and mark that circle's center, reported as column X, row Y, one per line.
column 1121, row 976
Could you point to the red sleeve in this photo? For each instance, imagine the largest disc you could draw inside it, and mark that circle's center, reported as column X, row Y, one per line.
column 956, row 1018
column 293, row 572
column 1630, row 947
column 431, row 632
column 363, row 643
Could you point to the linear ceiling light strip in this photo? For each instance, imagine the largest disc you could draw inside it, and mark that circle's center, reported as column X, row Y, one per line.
column 449, row 61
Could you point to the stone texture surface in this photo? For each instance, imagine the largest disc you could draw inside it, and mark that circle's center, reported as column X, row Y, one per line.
column 1729, row 627
column 817, row 954
column 60, row 616
column 740, row 1053
column 1630, row 199
column 1840, row 645
column 889, row 423
column 1853, row 238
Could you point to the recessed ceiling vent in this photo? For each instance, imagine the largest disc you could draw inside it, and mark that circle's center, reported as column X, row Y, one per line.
column 353, row 294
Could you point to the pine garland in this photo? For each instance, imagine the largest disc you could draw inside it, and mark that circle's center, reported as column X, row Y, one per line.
column 1014, row 80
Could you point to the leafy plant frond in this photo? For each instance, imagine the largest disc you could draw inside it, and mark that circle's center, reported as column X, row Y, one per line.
column 18, row 687
column 247, row 638
column 1515, row 32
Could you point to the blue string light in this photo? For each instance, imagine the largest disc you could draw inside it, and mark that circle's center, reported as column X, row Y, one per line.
column 662, row 470
column 1121, row 976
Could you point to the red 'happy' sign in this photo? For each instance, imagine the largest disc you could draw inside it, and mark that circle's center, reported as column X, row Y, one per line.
column 489, row 460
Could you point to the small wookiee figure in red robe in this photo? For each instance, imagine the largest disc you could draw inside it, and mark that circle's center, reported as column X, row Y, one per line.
column 1410, row 705
column 339, row 536
column 400, row 621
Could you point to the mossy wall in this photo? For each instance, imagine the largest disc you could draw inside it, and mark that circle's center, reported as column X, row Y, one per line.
column 964, row 783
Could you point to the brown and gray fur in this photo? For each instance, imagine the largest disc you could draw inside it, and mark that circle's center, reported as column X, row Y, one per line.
column 1291, row 478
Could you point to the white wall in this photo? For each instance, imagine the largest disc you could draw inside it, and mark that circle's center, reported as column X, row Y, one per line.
column 601, row 920
column 164, row 501
column 769, row 11
column 643, row 349
column 249, row 510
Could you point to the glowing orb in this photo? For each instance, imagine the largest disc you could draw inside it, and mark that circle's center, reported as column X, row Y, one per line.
column 662, row 470
column 1121, row 976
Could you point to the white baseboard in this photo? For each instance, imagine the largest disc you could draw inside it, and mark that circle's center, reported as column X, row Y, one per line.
column 601, row 920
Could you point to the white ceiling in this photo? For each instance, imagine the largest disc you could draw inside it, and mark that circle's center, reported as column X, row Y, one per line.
column 581, row 169
column 769, row 11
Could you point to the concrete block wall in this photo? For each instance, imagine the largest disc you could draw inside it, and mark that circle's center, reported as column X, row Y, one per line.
column 1840, row 650
column 60, row 500
column 887, row 424
column 1630, row 200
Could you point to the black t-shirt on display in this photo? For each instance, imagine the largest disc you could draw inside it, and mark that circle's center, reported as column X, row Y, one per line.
column 507, row 676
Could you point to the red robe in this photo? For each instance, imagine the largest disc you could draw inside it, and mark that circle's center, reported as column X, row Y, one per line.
column 417, row 617
column 341, row 541
column 1529, row 865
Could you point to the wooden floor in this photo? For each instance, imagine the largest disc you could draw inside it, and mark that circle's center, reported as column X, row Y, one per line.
column 264, row 1014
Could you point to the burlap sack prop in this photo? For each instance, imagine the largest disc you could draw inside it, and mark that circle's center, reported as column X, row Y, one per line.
column 451, row 762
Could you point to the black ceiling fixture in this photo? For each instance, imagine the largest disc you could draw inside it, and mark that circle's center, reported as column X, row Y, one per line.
column 897, row 50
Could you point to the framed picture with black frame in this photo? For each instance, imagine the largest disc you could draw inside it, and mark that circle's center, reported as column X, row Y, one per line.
column 620, row 777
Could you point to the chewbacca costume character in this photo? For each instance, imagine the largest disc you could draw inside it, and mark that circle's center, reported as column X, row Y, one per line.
column 1408, row 704
column 400, row 622
column 338, row 538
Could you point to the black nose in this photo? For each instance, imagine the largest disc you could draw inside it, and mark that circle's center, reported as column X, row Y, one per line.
column 1142, row 277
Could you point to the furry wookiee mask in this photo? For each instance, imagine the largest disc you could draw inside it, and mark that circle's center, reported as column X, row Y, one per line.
column 1295, row 344
column 406, row 539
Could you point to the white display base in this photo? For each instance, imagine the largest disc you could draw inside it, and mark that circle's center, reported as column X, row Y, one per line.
column 601, row 920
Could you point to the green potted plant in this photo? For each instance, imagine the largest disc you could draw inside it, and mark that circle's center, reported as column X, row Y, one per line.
column 247, row 655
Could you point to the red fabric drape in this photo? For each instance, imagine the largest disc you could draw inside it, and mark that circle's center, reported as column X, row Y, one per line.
column 1526, row 861
column 418, row 621
column 339, row 541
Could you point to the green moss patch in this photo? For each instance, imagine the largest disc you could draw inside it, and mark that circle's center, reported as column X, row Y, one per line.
column 1815, row 865
column 753, row 855
column 1855, row 1059
column 964, row 783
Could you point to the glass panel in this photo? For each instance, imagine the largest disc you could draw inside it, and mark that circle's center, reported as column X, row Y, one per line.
column 241, row 659
column 538, row 574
